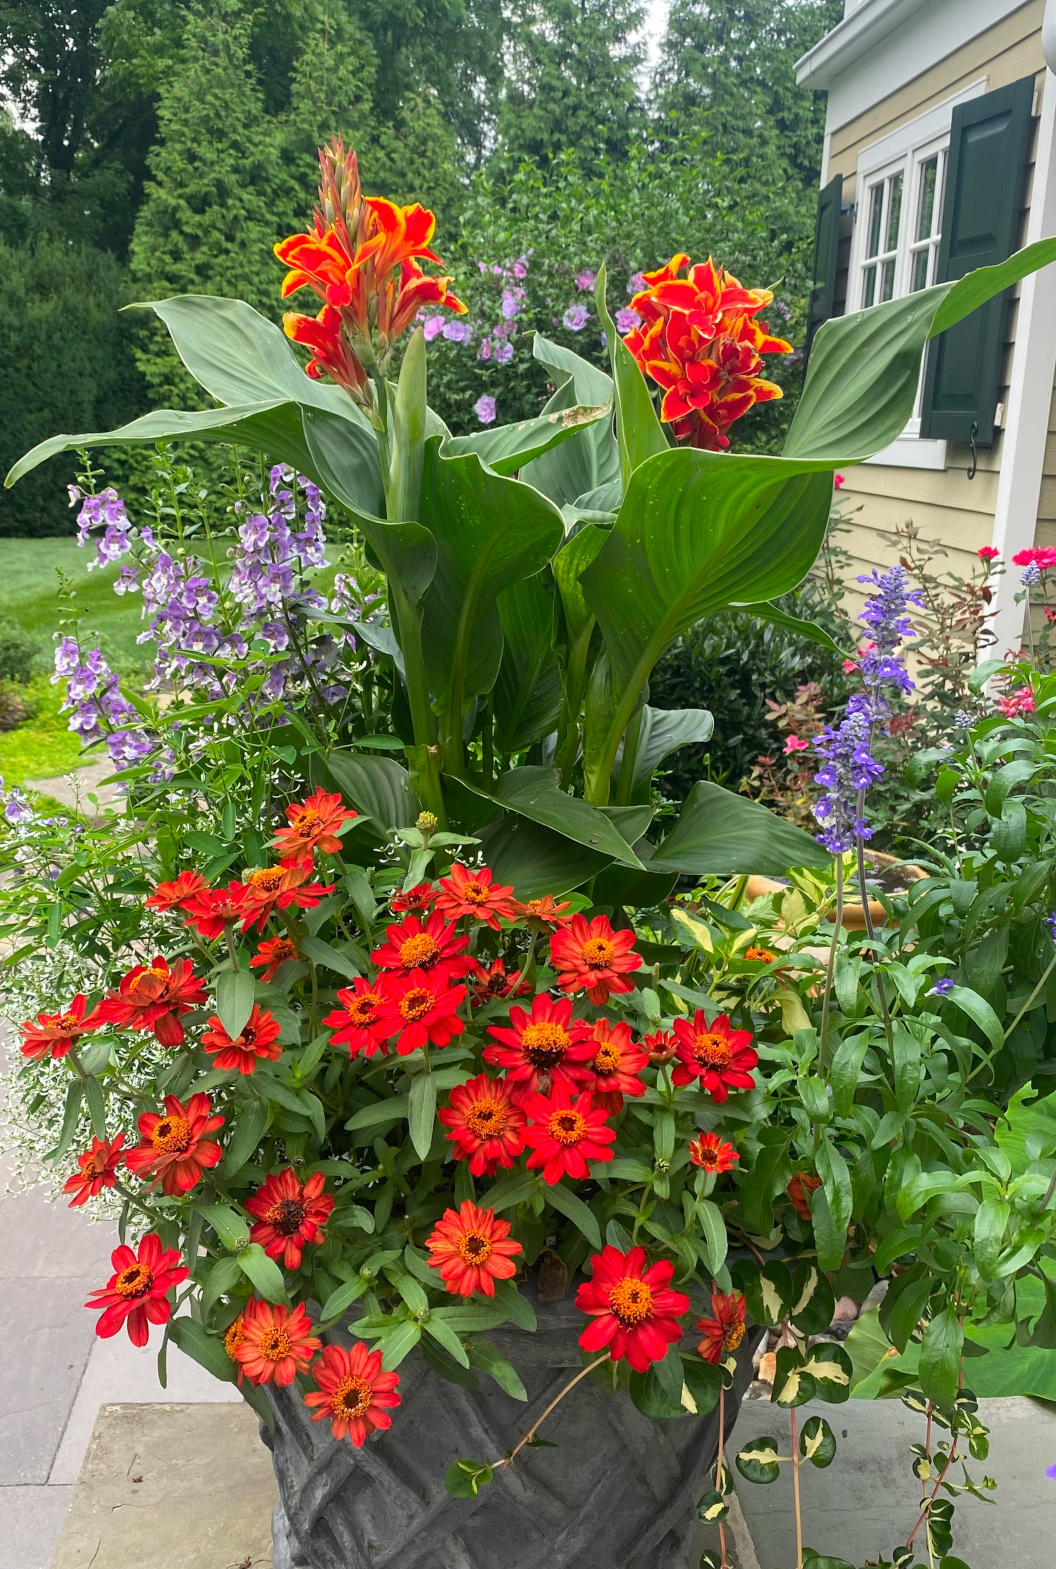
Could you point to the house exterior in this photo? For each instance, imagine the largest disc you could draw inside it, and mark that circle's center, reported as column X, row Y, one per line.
column 940, row 156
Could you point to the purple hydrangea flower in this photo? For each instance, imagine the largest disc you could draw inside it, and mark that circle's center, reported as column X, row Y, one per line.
column 576, row 318
column 485, row 410
column 626, row 320
column 636, row 283
column 512, row 300
column 520, row 266
column 485, row 350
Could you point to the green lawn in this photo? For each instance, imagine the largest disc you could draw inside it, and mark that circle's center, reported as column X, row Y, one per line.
column 29, row 585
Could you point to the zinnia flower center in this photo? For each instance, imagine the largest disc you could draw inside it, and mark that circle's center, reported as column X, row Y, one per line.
column 598, row 953
column 268, row 879
column 567, row 1127
column 135, row 1281
column 762, row 955
column 282, row 949
column 286, row 1217
column 248, row 1037
column 234, row 1337
column 732, row 1335
column 606, row 1058
column 416, row 1004
column 95, row 1165
column 172, row 1136
column 67, row 1023
column 147, row 981
column 631, row 1301
column 543, row 1045
column 474, row 1247
column 708, row 1156
column 418, row 953
column 274, row 1343
column 365, row 1008
column 475, row 893
column 307, row 817
column 712, row 1050
column 351, row 1398
column 486, row 1119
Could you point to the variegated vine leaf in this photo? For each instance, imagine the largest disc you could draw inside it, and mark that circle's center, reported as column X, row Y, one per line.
column 793, row 1385
column 813, row 1302
column 758, row 1462
column 817, row 1443
column 712, row 1508
column 830, row 1369
column 769, row 1294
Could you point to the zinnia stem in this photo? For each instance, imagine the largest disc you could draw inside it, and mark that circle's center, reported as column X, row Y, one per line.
column 511, row 1457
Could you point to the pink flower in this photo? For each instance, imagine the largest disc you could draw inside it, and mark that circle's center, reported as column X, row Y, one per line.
column 838, row 481
column 586, row 279
column 988, row 553
column 849, row 665
column 794, row 744
column 1041, row 556
column 485, row 410
column 1021, row 701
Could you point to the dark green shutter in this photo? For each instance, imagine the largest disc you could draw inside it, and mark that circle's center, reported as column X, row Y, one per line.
column 989, row 146
column 826, row 252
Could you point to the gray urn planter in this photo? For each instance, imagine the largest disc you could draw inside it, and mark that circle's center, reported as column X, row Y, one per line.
column 619, row 1491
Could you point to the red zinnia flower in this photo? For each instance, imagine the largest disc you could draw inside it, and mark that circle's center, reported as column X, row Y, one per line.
column 712, row 1153
column 174, row 895
column 543, row 915
column 97, row 1169
column 57, row 1032
column 660, row 1047
column 616, row 1064
column 420, row 1009
column 541, row 1049
column 486, row 1124
column 174, row 1146
column 593, row 958
column 414, row 946
column 803, row 1182
column 211, row 910
column 232, row 1341
column 272, row 954
column 760, row 955
column 259, row 1038
column 137, row 1291
column 472, row 1249
column 493, row 981
column 314, row 825
column 353, row 1392
column 635, row 1312
column 355, row 1022
column 721, row 1058
column 724, row 1331
column 565, row 1134
column 153, row 997
column 472, row 894
column 420, row 897
column 276, row 1344
column 289, row 1214
column 277, row 888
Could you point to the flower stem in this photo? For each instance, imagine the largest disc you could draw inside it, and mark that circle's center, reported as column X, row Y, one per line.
column 795, row 1489
column 830, row 970
column 718, row 1470
column 1030, row 1000
column 511, row 1457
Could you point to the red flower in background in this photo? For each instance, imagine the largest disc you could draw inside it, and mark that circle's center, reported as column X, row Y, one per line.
column 276, row 1343
column 96, row 1169
column 987, row 553
column 352, row 1392
column 803, row 1182
column 414, row 945
column 259, row 1039
column 174, row 895
column 543, row 915
column 712, row 1154
column 616, row 1064
column 420, row 897
column 660, row 1046
column 593, row 958
column 289, row 1213
column 54, row 1033
column 486, row 982
column 472, row 1249
column 634, row 1311
column 272, row 954
column 724, row 1331
column 154, row 997
column 355, row 1023
column 174, row 1145
column 699, row 341
column 472, row 894
column 486, row 1124
column 277, row 888
column 542, row 1048
column 314, row 824
column 211, row 910
column 720, row 1057
column 420, row 1010
column 137, row 1292
column 565, row 1133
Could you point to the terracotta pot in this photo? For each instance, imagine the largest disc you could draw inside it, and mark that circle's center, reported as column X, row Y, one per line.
column 853, row 909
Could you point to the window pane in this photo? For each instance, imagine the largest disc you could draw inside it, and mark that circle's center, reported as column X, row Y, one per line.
column 920, row 269
column 894, row 212
column 869, row 292
column 926, row 208
column 887, row 287
column 875, row 213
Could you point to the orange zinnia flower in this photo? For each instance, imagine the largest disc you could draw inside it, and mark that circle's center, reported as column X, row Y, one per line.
column 542, row 1048
column 417, row 946
column 259, row 1039
column 565, row 1133
column 153, row 997
column 174, row 895
column 355, row 1023
column 593, row 958
column 353, row 1392
column 490, row 981
column 720, row 1057
column 174, row 1145
column 420, row 897
column 272, row 954
column 420, row 1009
column 803, row 1182
column 712, row 1154
column 485, row 1123
column 543, row 915
column 55, row 1033
column 276, row 1343
column 472, row 894
column 277, row 888
column 472, row 1249
column 634, row 1311
column 724, row 1331
column 209, row 911
column 137, row 1292
column 289, row 1213
column 616, row 1063
column 315, row 824
column 96, row 1169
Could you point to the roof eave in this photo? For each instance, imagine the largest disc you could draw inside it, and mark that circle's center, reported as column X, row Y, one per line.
column 850, row 39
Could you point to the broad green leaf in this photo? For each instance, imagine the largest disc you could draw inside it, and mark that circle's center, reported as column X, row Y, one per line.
column 574, row 1209
column 940, row 1358
column 720, row 833
column 638, row 430
column 713, row 1234
column 510, row 1191
column 482, row 1354
column 378, row 786
column 222, row 1279
column 234, row 1000
column 534, row 792
column 536, row 860
column 205, row 1349
column 511, row 448
column 231, row 1228
column 865, row 367
column 979, row 1011
column 810, row 631
column 465, row 1478
column 591, row 458
column 661, row 731
column 812, row 1303
column 991, row 1223
column 509, row 1300
column 322, row 953
column 95, row 1104
column 768, row 1293
column 847, row 1064
column 526, row 698
column 396, row 1345
column 669, row 1372
column 263, row 1273
column 422, row 1118
column 757, row 1461
column 702, row 1387
column 448, row 1339
column 341, row 1299
column 249, row 1126
column 712, row 1508
column 381, row 1114
column 793, row 1385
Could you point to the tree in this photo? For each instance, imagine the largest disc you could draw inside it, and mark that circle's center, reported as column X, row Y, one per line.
column 571, row 80
column 728, row 67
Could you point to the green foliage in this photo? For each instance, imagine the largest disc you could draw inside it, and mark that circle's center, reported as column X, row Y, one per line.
column 20, row 652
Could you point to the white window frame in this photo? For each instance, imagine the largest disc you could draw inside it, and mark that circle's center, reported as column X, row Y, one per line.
column 905, row 149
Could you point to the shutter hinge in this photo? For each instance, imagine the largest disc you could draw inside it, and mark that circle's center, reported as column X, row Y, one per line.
column 999, row 417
